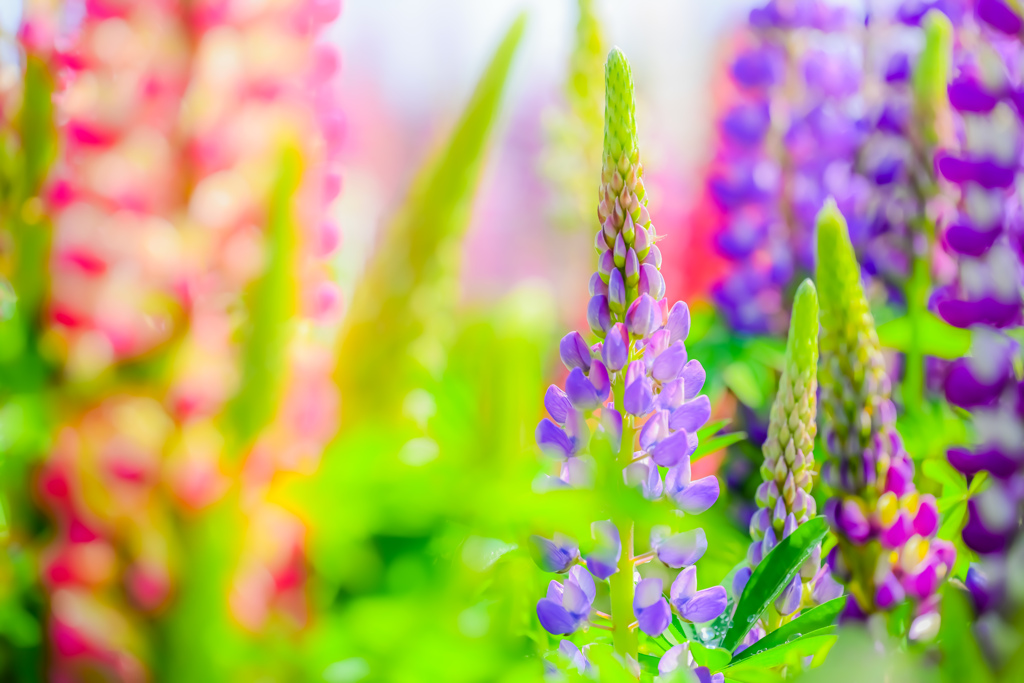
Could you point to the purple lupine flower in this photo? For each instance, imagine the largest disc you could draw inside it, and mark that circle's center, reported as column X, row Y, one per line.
column 887, row 550
column 567, row 606
column 639, row 392
column 773, row 172
column 983, row 171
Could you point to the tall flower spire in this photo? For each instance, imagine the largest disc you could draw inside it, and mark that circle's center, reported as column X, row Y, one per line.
column 630, row 410
column 784, row 497
column 629, row 261
column 887, row 549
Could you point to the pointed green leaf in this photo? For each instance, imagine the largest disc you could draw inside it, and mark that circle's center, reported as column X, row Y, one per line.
column 716, row 444
column 387, row 317
column 811, row 645
column 817, row 618
column 963, row 659
column 942, row 472
column 935, row 336
column 771, row 576
column 272, row 304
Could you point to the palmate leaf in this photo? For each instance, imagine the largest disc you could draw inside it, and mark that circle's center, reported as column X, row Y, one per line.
column 816, row 620
column 771, row 576
column 387, row 315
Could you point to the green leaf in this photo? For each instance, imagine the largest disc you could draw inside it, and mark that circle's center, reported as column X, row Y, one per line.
column 388, row 320
column 963, row 660
column 648, row 663
column 740, row 379
column 773, row 574
column 716, row 444
column 714, row 658
column 712, row 428
column 817, row 618
column 942, row 472
column 935, row 336
column 272, row 303
column 812, row 644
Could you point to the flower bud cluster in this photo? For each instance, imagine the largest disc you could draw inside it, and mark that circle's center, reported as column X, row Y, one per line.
column 887, row 549
column 629, row 261
column 786, row 143
column 174, row 124
column 983, row 173
column 784, row 497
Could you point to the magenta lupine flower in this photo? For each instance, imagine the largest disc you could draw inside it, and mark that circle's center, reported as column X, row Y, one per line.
column 887, row 550
column 786, row 145
column 639, row 392
column 986, row 236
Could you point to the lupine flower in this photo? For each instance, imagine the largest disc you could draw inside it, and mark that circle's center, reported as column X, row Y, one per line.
column 639, row 392
column 786, row 144
column 784, row 497
column 985, row 235
column 887, row 549
column 143, row 253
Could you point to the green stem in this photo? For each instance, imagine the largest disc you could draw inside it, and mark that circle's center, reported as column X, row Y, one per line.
column 621, row 582
column 917, row 306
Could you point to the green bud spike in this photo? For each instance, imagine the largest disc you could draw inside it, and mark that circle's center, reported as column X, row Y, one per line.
column 802, row 346
column 837, row 275
column 789, row 448
column 855, row 388
column 931, row 74
column 619, row 107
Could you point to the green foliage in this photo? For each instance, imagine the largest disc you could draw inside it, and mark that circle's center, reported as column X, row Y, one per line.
column 272, row 304
column 817, row 621
column 398, row 306
column 771, row 576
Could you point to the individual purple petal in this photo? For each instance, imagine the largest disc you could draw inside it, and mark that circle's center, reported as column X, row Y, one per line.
column 574, row 352
column 692, row 415
column 683, row 549
column 675, row 657
column 578, row 473
column 642, row 316
column 825, row 586
column 555, row 619
column 671, row 395
column 698, row 496
column 597, row 285
column 655, row 619
column 789, row 600
column 740, row 580
column 999, row 16
column 577, row 660
column 579, row 577
column 553, row 441
column 632, row 268
column 992, row 460
column 638, row 399
column 678, row 323
column 603, row 560
column 611, row 423
column 983, row 594
column 654, row 429
column 669, row 363
column 677, row 478
column 684, row 587
column 898, row 532
column 852, row 521
column 557, row 404
column 616, row 290
column 889, row 592
column 926, row 521
column 554, row 556
column 671, row 450
column 634, row 371
column 615, row 351
column 598, row 376
column 582, row 394
column 598, row 316
column 705, row 605
column 653, row 487
column 651, row 281
column 693, row 378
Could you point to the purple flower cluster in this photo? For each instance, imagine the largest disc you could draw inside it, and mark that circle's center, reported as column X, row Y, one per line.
column 987, row 236
column 789, row 142
column 887, row 551
column 630, row 410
